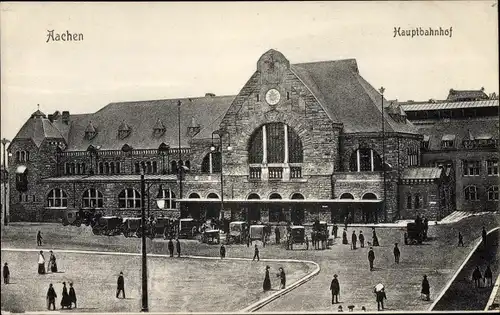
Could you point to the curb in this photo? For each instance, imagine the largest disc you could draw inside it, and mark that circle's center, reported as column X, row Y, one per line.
column 493, row 294
column 478, row 243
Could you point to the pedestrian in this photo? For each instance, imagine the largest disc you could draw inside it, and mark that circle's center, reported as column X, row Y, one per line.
column 335, row 288
column 41, row 263
column 307, row 242
column 248, row 240
column 426, row 227
column 256, row 253
column 65, row 299
column 484, row 234
column 371, row 258
column 51, row 297
column 375, row 238
column 282, row 277
column 361, row 239
column 39, row 238
column 52, row 262
column 267, row 280
column 460, row 239
column 222, row 252
column 426, row 289
column 335, row 230
column 344, row 237
column 120, row 285
column 397, row 253
column 6, row 273
column 488, row 277
column 171, row 247
column 178, row 247
column 476, row 276
column 72, row 294
column 345, row 222
column 354, row 239
column 277, row 234
column 380, row 296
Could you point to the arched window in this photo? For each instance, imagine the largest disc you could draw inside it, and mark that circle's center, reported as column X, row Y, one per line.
column 298, row 212
column 211, row 163
column 149, row 168
column 470, row 193
column 118, row 168
column 169, row 197
column 276, row 213
column 106, row 168
column 112, row 167
column 346, row 196
column 143, row 167
column 23, row 156
column 18, row 156
column 73, row 168
column 67, row 168
column 253, row 196
column 493, row 193
column 212, row 196
column 275, row 143
column 155, row 167
column 137, row 168
column 129, row 199
column 365, row 160
column 369, row 196
column 194, row 196
column 84, row 170
column 173, row 167
column 101, row 168
column 57, row 198
column 27, row 156
column 418, row 201
column 408, row 201
column 92, row 198
column 297, row 196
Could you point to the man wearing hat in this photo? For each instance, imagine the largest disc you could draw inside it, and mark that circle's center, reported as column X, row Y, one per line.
column 397, row 253
column 335, row 288
column 120, row 285
column 6, row 273
column 371, row 258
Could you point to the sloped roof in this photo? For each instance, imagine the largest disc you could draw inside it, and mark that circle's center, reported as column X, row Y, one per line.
column 448, row 105
column 462, row 129
column 459, row 95
column 347, row 97
column 142, row 117
column 421, row 173
column 38, row 128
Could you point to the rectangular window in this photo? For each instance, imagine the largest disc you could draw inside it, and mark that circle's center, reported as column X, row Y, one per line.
column 492, row 166
column 471, row 168
column 408, row 202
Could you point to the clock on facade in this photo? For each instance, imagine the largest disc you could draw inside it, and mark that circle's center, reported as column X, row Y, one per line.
column 273, row 97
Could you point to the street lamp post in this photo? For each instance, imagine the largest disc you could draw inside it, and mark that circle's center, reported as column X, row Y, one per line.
column 220, row 133
column 381, row 90
column 5, row 217
column 144, row 248
column 179, row 167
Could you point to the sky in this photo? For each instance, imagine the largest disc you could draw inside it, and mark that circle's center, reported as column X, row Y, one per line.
column 144, row 51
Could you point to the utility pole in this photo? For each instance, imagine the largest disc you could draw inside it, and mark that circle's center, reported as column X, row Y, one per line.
column 6, row 181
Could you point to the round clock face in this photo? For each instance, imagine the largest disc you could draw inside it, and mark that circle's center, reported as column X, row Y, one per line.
column 273, row 97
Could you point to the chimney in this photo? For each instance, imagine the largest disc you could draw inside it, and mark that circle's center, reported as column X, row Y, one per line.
column 65, row 117
column 209, row 95
column 194, row 128
column 51, row 117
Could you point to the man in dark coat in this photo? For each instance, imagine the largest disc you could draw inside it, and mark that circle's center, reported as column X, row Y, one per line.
column 51, row 297
column 361, row 239
column 426, row 228
column 335, row 229
column 354, row 240
column 39, row 238
column 335, row 288
column 484, row 234
column 426, row 290
column 371, row 258
column 171, row 248
column 222, row 252
column 397, row 253
column 476, row 276
column 460, row 239
column 178, row 247
column 72, row 294
column 65, row 300
column 488, row 277
column 277, row 233
column 344, row 237
column 380, row 295
column 256, row 253
column 120, row 285
column 6, row 273
column 282, row 278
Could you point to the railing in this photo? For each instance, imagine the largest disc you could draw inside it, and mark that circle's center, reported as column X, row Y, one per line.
column 295, row 172
column 255, row 172
column 275, row 172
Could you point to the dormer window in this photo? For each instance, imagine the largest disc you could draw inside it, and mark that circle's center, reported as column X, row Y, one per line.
column 425, row 142
column 90, row 131
column 124, row 130
column 448, row 142
column 159, row 128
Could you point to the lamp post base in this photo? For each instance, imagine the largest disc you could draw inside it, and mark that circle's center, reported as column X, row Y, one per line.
column 146, row 310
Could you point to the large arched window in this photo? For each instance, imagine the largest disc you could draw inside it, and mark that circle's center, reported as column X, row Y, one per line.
column 194, row 196
column 211, row 163
column 297, row 196
column 275, row 143
column 212, row 196
column 92, row 198
column 276, row 213
column 369, row 196
column 365, row 160
column 169, row 197
column 129, row 199
column 346, row 196
column 57, row 198
column 253, row 196
column 470, row 193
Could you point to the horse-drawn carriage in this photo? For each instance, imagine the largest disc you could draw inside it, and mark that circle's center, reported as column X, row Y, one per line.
column 109, row 225
column 320, row 235
column 131, row 226
column 414, row 234
column 238, row 231
column 188, row 228
column 78, row 217
column 210, row 237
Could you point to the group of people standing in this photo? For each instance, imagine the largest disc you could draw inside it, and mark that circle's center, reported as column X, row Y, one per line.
column 267, row 279
column 52, row 265
column 67, row 299
column 355, row 238
column 477, row 276
column 177, row 247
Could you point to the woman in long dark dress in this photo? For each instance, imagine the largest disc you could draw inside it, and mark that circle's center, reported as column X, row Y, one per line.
column 52, row 262
column 65, row 300
column 426, row 290
column 267, row 280
column 344, row 237
column 375, row 238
